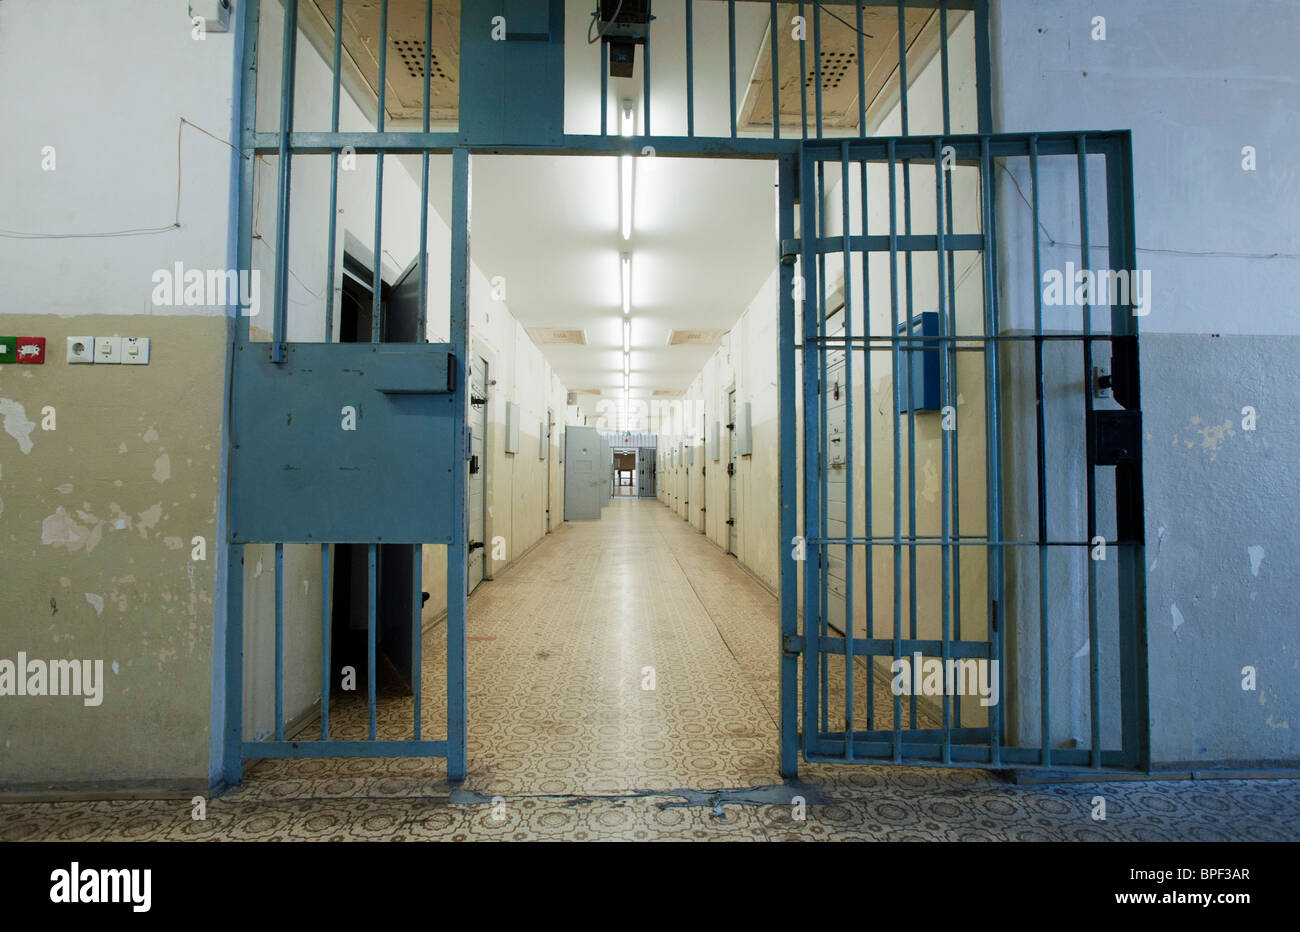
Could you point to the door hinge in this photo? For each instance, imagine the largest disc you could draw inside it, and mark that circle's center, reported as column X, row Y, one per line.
column 476, row 400
column 792, row 643
column 731, row 521
column 731, row 469
column 475, row 545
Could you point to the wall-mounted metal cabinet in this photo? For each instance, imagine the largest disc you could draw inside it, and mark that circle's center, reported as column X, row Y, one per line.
column 744, row 430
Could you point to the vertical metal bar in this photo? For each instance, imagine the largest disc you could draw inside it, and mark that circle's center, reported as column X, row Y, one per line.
column 376, row 299
column 870, row 464
column 953, row 356
column 911, row 424
column 849, row 441
column 862, row 121
column 945, row 453
column 604, row 89
column 1130, row 517
column 690, row 68
column 823, row 466
column 812, row 448
column 422, row 333
column 803, row 71
column 731, row 60
column 279, row 642
column 1040, row 437
column 325, row 639
column 289, row 53
column 787, row 168
column 943, row 65
column 983, row 68
column 774, row 34
column 1094, row 648
column 457, row 550
column 817, row 62
column 334, row 172
column 417, row 633
column 372, row 622
column 645, row 94
column 902, row 84
column 993, row 492
column 232, row 750
column 898, row 454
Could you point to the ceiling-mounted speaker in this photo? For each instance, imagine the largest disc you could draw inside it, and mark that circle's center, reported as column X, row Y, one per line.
column 623, row 25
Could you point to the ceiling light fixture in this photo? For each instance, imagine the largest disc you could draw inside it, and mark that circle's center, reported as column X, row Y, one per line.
column 627, row 336
column 627, row 364
column 626, row 170
column 627, row 282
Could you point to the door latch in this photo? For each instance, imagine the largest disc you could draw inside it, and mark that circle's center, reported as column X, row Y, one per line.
column 475, row 545
column 731, row 469
column 731, row 522
column 476, row 400
column 473, row 464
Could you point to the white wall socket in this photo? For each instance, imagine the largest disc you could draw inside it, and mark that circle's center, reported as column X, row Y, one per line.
column 81, row 349
column 135, row 351
column 108, row 349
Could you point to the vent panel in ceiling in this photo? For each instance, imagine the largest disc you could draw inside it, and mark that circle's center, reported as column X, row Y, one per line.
column 556, row 336
column 693, row 337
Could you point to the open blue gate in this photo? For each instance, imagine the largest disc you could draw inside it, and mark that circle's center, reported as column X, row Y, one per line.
column 970, row 549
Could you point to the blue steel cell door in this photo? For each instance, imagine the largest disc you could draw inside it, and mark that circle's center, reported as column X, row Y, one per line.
column 968, row 556
column 352, row 454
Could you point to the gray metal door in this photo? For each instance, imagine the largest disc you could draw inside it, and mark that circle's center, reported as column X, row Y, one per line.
column 477, row 471
column 584, row 474
column 733, row 460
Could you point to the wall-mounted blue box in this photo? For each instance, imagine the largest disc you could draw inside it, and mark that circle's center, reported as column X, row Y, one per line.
column 924, row 356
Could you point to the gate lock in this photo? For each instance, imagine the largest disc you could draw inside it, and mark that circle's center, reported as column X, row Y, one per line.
column 473, row 464
column 476, row 400
column 1114, row 437
column 731, row 469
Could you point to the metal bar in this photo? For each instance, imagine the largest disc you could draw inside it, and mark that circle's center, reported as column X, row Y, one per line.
column 943, row 65
column 325, row 638
column 1094, row 647
column 376, row 298
column 1130, row 516
column 862, row 107
column 604, row 89
column 773, row 37
column 690, row 68
column 731, row 60
column 902, row 75
column 868, row 484
column 1040, row 432
column 371, row 624
column 645, row 93
column 417, row 633
column 279, row 641
column 880, row 647
column 803, row 82
column 993, row 435
column 811, row 452
column 457, row 550
column 898, row 455
column 911, row 408
column 959, row 338
column 232, row 757
column 945, row 445
column 915, row 242
column 817, row 63
column 288, row 53
column 788, row 475
column 936, row 541
column 823, row 466
column 266, row 750
column 983, row 68
column 847, row 222
column 334, row 172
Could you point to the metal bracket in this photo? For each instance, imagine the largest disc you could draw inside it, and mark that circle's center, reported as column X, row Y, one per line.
column 790, row 250
column 1114, row 437
column 792, row 644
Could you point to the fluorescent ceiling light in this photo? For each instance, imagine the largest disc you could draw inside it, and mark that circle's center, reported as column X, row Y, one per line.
column 627, row 282
column 626, row 171
column 625, row 118
column 627, row 364
column 627, row 336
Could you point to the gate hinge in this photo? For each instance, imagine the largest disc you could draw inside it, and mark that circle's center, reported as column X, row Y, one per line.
column 790, row 250
column 792, row 643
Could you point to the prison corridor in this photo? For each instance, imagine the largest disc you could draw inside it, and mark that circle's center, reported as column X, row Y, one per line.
column 622, row 684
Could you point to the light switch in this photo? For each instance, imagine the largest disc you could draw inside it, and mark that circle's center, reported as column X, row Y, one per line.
column 135, row 351
column 108, row 349
column 81, row 349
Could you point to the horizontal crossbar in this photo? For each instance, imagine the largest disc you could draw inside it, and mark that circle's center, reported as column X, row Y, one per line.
column 268, row 749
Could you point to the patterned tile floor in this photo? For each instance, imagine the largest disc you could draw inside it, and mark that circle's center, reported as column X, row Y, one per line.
column 565, row 744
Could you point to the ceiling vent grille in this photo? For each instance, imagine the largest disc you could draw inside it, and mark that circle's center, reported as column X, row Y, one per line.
column 693, row 337
column 557, row 337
